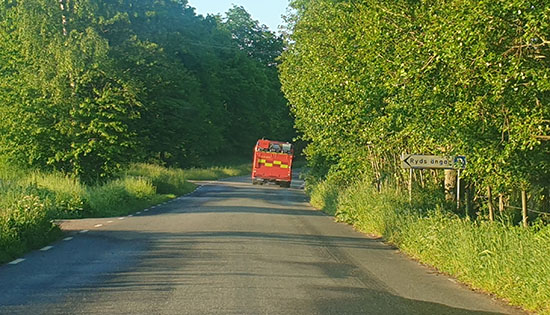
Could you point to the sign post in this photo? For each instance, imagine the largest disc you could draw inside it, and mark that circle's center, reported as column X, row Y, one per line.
column 420, row 161
column 459, row 163
column 410, row 185
column 458, row 189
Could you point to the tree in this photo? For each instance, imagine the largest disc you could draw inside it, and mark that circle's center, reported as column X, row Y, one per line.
column 88, row 86
column 255, row 39
column 368, row 81
column 69, row 110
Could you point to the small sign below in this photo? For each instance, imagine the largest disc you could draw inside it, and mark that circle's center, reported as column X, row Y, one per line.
column 418, row 161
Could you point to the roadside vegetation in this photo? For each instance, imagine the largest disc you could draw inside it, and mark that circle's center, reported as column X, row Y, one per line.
column 508, row 260
column 31, row 202
column 370, row 81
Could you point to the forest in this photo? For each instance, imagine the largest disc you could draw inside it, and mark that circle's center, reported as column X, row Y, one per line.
column 368, row 81
column 89, row 86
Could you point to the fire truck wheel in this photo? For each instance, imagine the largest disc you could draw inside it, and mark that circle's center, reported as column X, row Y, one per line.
column 284, row 184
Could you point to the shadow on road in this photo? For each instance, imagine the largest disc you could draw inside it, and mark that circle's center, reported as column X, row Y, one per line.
column 198, row 263
column 286, row 258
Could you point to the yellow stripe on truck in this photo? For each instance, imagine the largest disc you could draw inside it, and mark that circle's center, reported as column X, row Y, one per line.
column 269, row 164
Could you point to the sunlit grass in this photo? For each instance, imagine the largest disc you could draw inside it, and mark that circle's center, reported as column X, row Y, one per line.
column 166, row 180
column 119, row 197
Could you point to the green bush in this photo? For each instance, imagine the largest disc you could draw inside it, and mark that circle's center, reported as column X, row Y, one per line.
column 65, row 192
column 511, row 261
column 119, row 196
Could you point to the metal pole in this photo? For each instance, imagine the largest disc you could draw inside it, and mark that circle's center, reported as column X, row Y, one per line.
column 410, row 184
column 458, row 190
column 524, row 208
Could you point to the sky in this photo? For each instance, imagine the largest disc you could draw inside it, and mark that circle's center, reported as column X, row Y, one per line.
column 268, row 12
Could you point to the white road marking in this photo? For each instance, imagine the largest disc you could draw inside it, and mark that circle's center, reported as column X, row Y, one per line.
column 68, row 238
column 84, row 231
column 46, row 248
column 98, row 225
column 15, row 262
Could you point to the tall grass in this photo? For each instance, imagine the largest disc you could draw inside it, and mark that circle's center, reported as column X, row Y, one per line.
column 120, row 196
column 166, row 180
column 65, row 193
column 24, row 225
column 509, row 261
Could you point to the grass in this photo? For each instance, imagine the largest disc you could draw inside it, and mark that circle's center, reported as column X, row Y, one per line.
column 65, row 194
column 509, row 261
column 30, row 200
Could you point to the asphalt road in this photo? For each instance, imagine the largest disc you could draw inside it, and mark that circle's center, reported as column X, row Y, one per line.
column 228, row 248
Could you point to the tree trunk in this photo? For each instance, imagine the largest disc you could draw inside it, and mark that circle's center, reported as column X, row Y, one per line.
column 467, row 200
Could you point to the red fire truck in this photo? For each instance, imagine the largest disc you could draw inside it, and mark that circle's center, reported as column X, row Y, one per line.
column 272, row 162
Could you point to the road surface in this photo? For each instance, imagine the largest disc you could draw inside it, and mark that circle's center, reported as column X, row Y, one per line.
column 228, row 248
